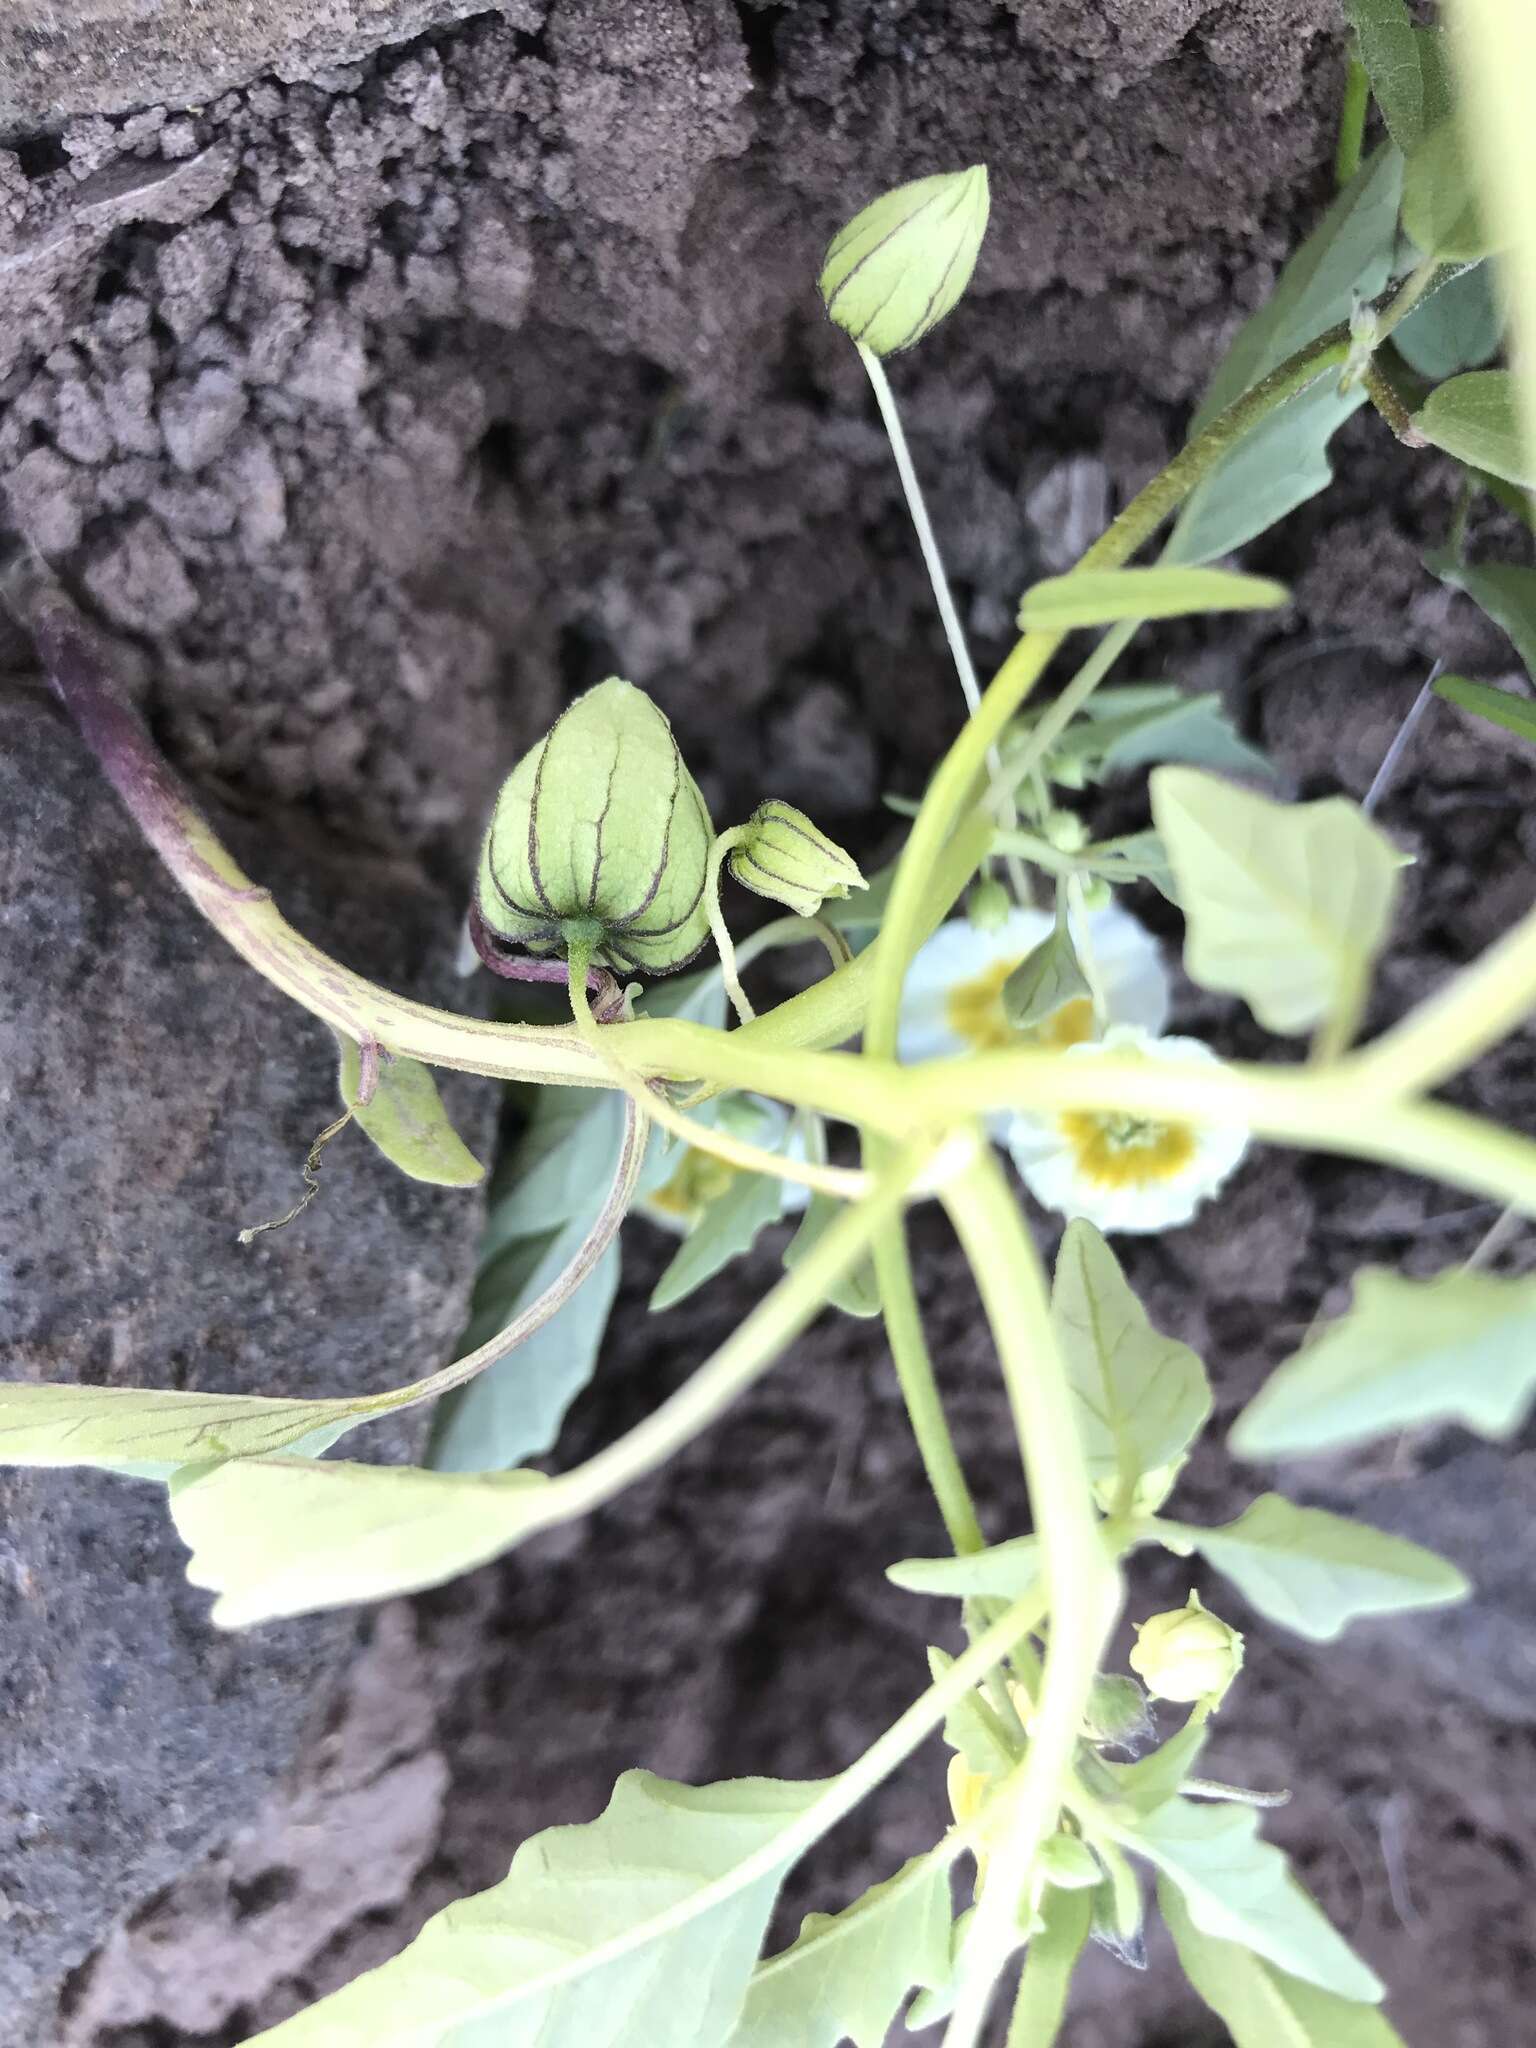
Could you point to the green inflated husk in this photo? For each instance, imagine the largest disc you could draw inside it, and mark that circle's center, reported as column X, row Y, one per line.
column 600, row 838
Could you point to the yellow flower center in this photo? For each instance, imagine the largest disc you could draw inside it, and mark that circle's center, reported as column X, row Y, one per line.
column 1121, row 1151
column 974, row 1012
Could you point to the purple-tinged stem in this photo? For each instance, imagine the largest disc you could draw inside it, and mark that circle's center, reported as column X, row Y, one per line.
column 243, row 913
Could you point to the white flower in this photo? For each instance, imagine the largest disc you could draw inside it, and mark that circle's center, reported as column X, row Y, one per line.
column 1125, row 1172
column 953, row 1000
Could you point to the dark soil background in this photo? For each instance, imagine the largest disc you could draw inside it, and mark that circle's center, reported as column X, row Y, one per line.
column 381, row 372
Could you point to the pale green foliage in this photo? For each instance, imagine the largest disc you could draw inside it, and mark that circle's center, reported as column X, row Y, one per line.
column 1286, row 904
column 1239, row 1888
column 1283, row 461
column 1457, row 326
column 1049, row 1961
column 405, row 1118
column 150, row 1433
column 728, row 1227
column 1142, row 1398
column 848, row 1973
column 858, row 1292
column 1261, row 2006
column 1315, row 1572
column 1506, row 592
column 902, row 263
column 1138, row 857
column 1458, row 1348
column 1068, row 1862
column 514, row 1411
column 1151, row 1781
column 783, row 856
column 1004, row 1572
column 1045, row 979
column 1100, row 597
column 600, row 836
column 1390, row 53
column 1138, row 724
column 1476, row 418
column 276, row 1536
column 1499, row 707
column 1440, row 204
column 641, row 1926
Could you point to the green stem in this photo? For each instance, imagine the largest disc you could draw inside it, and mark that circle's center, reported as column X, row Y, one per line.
column 919, row 1389
column 772, row 1325
column 654, row 1102
column 1483, row 1004
column 938, row 582
column 1357, row 100
column 719, row 931
column 952, row 785
column 1081, row 1584
column 1391, row 405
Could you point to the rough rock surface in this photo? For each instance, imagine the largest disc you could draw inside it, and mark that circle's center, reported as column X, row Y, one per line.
column 156, row 1097
column 378, row 411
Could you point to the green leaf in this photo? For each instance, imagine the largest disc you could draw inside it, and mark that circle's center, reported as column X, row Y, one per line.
column 1458, row 326
column 1141, row 1398
column 1100, row 597
column 1476, row 419
column 1049, row 1962
column 513, row 1411
column 1283, row 461
column 1441, row 207
column 1435, row 69
column 1151, row 1781
column 1315, row 1572
column 1286, row 905
column 150, row 1433
column 1239, row 1888
column 1278, row 465
column 568, row 1148
column 1499, row 707
column 1390, row 53
column 641, row 1926
column 1004, row 1572
column 1136, row 724
column 1138, row 857
column 1044, row 981
column 1067, row 1862
column 972, row 1727
column 551, row 1192
column 728, row 1227
column 846, row 1976
column 1506, row 593
column 405, row 1118
column 279, row 1536
column 1261, row 2006
column 858, row 1292
column 1347, row 256
column 1458, row 1348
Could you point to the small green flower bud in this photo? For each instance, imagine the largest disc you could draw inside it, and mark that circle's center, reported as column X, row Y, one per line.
column 900, row 265
column 988, row 905
column 1187, row 1655
column 1148, row 1494
column 781, row 855
column 600, row 837
column 1066, row 831
column 1097, row 894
